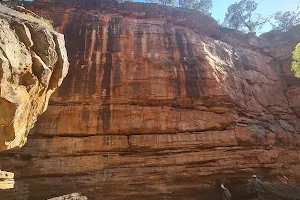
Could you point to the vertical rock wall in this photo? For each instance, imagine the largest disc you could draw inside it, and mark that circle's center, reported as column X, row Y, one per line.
column 159, row 103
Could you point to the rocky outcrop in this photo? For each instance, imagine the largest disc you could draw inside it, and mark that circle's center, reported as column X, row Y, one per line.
column 280, row 47
column 74, row 196
column 6, row 180
column 33, row 64
column 160, row 103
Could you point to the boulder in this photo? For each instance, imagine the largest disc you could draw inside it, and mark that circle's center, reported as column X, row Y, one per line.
column 33, row 64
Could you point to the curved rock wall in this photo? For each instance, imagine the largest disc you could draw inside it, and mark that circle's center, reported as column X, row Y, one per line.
column 159, row 103
column 33, row 64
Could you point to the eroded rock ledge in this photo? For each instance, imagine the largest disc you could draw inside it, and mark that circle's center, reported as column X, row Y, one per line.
column 34, row 63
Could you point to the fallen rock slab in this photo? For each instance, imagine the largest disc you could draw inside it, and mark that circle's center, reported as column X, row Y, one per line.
column 6, row 180
column 73, row 196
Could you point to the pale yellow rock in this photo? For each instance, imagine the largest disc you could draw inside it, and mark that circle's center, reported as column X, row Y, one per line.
column 6, row 180
column 7, row 184
column 33, row 64
column 73, row 196
column 6, row 175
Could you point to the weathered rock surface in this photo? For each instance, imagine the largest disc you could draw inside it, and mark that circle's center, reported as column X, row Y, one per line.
column 73, row 196
column 6, row 180
column 33, row 64
column 160, row 103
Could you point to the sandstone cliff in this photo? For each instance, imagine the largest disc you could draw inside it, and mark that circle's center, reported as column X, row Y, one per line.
column 33, row 64
column 160, row 103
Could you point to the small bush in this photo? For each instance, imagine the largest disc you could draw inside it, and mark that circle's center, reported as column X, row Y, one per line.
column 296, row 61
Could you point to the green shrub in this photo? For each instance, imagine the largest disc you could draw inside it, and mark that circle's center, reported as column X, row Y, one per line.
column 296, row 61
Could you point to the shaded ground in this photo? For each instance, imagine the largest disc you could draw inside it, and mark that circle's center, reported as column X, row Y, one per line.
column 33, row 189
column 274, row 191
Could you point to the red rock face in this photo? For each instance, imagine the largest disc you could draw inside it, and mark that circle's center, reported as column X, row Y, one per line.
column 158, row 103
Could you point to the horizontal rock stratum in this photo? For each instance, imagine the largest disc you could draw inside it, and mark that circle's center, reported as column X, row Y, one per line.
column 33, row 64
column 160, row 103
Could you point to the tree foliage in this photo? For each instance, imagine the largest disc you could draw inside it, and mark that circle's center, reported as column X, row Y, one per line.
column 202, row 5
column 296, row 61
column 285, row 20
column 122, row 1
column 166, row 2
column 163, row 2
column 241, row 16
